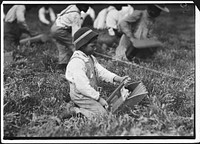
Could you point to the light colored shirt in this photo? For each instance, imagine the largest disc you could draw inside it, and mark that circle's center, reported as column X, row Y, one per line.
column 114, row 16
column 76, row 74
column 100, row 21
column 42, row 12
column 70, row 17
column 89, row 12
column 17, row 12
column 138, row 25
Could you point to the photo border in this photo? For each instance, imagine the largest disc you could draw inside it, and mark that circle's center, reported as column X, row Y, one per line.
column 83, row 140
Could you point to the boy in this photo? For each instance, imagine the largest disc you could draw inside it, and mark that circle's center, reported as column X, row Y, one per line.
column 82, row 72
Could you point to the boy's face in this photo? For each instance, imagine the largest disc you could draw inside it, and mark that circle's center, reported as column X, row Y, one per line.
column 91, row 47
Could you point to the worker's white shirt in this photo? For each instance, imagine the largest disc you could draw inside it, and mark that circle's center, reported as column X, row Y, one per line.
column 76, row 74
column 89, row 12
column 100, row 21
column 114, row 16
column 126, row 11
column 69, row 17
column 112, row 19
column 17, row 12
column 42, row 12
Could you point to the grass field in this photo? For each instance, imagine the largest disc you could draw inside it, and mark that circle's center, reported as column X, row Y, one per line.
column 34, row 92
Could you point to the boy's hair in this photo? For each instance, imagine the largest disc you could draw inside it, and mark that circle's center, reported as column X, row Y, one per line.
column 83, row 36
column 90, row 41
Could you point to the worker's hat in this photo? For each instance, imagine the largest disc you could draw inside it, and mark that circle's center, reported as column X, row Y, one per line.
column 162, row 7
column 83, row 36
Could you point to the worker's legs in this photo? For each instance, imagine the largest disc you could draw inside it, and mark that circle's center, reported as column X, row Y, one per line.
column 90, row 108
column 120, row 52
column 12, row 35
column 64, row 53
column 125, row 49
column 131, row 52
column 63, row 41
column 87, row 107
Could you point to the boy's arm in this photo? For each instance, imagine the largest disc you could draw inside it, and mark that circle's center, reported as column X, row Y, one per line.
column 103, row 73
column 107, row 75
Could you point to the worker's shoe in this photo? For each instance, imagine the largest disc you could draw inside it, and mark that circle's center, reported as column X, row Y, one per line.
column 131, row 53
column 8, row 58
column 68, row 112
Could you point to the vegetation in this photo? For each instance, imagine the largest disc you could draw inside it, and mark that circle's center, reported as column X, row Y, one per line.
column 35, row 93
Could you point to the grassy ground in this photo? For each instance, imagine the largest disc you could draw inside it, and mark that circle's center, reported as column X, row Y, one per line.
column 34, row 92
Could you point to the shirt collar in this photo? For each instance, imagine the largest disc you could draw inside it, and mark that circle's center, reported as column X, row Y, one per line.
column 81, row 54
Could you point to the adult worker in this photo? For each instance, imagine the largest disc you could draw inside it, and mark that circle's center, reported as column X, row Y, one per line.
column 138, row 26
column 14, row 26
column 66, row 24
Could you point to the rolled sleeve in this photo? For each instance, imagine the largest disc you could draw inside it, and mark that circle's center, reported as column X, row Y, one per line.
column 103, row 73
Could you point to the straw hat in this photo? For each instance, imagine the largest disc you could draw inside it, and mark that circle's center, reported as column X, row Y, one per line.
column 162, row 7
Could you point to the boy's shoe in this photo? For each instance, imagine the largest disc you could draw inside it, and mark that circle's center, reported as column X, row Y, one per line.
column 68, row 111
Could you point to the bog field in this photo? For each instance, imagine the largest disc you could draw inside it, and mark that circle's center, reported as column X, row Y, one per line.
column 34, row 92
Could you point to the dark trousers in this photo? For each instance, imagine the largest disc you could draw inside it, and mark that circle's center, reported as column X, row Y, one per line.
column 12, row 34
column 63, row 40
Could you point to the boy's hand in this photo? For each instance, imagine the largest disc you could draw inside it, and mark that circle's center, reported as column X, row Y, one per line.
column 126, row 78
column 103, row 103
column 121, row 79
